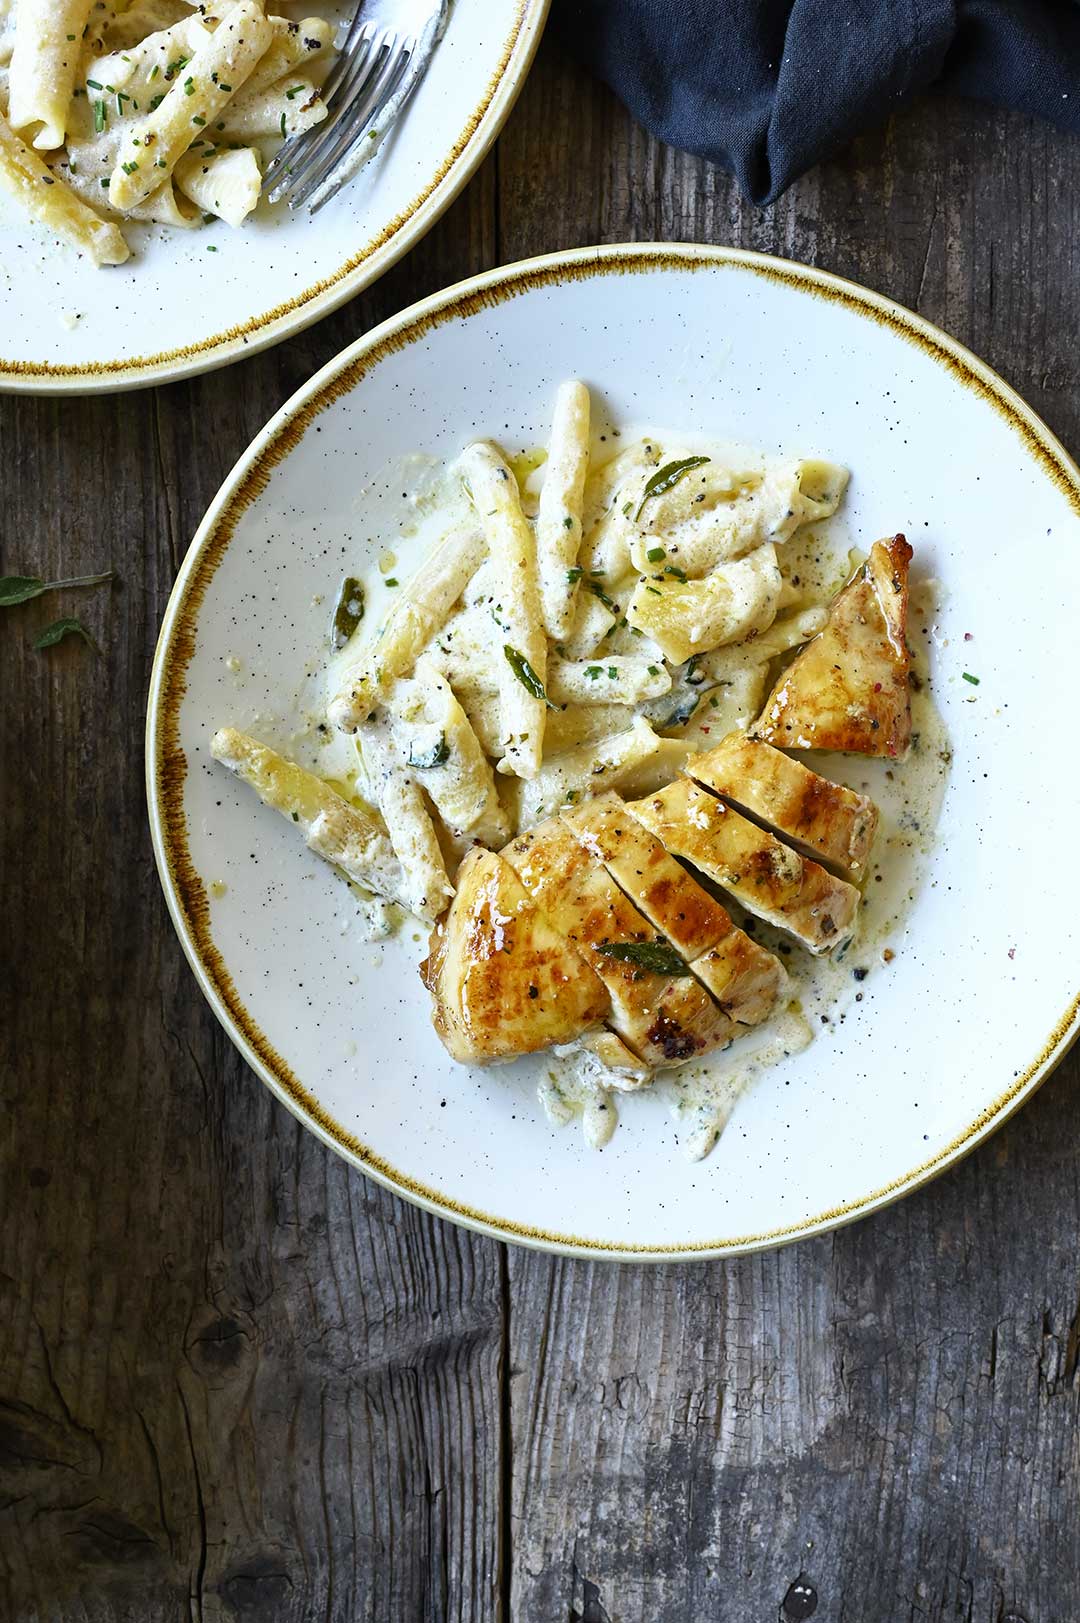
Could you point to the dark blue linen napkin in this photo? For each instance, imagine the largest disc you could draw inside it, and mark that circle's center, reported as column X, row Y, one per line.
column 767, row 88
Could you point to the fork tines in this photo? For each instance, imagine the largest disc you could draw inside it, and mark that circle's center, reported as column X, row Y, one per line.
column 371, row 80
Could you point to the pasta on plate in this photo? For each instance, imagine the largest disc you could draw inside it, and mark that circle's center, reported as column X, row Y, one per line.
column 554, row 750
column 583, row 624
column 155, row 111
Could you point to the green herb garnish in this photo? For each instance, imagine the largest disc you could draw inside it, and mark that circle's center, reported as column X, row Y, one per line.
column 574, row 575
column 21, row 588
column 656, row 555
column 348, row 612
column 667, row 476
column 659, row 956
column 526, row 675
column 598, row 591
column 437, row 755
column 684, row 709
column 974, row 680
column 65, row 628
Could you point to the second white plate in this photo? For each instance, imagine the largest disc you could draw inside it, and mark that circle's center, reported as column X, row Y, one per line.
column 177, row 307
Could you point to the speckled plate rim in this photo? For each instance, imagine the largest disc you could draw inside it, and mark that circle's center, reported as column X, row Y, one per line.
column 166, row 766
column 303, row 309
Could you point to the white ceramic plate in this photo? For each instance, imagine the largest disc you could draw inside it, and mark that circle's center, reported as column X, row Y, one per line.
column 69, row 329
column 982, row 996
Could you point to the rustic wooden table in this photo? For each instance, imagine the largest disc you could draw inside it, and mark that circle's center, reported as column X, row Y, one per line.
column 239, row 1381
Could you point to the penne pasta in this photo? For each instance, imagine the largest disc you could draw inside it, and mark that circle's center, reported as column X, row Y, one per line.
column 44, row 62
column 340, row 832
column 691, row 617
column 439, row 744
column 419, row 612
column 408, row 822
column 46, row 198
column 224, row 182
column 558, row 522
column 282, row 110
column 512, row 549
column 612, row 680
column 294, row 46
column 591, row 769
column 195, row 98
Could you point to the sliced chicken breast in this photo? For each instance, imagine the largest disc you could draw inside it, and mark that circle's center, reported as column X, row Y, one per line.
column 504, row 982
column 658, row 1008
column 848, row 689
column 822, row 819
column 767, row 877
column 746, row 980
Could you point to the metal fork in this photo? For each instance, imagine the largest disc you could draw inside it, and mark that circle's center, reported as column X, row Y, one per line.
column 384, row 56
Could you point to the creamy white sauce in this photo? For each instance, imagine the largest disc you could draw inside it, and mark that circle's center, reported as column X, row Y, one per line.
column 419, row 499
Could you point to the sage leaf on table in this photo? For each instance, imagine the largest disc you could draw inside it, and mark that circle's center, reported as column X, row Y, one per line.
column 21, row 588
column 65, row 628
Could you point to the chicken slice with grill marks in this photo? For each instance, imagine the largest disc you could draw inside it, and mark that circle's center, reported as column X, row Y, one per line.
column 766, row 876
column 824, row 820
column 662, row 1013
column 848, row 689
column 504, row 982
column 746, row 980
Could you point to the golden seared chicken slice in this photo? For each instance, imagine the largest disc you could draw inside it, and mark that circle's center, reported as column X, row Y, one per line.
column 746, row 980
column 503, row 982
column 848, row 689
column 767, row 877
column 657, row 1007
column 822, row 819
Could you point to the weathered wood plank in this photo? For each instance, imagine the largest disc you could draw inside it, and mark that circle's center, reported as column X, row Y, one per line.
column 889, row 1412
column 236, row 1380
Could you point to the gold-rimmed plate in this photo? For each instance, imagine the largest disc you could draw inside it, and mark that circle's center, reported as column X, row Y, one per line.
column 981, row 997
column 188, row 301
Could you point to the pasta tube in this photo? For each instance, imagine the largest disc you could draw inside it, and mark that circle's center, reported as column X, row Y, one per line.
column 512, row 548
column 591, row 769
column 48, row 39
column 558, row 523
column 439, row 744
column 612, row 680
column 408, row 821
column 333, row 827
column 226, row 183
column 196, row 96
column 690, row 617
column 46, row 198
column 420, row 610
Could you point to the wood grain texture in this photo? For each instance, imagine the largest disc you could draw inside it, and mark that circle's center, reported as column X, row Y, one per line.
column 239, row 1381
column 890, row 1412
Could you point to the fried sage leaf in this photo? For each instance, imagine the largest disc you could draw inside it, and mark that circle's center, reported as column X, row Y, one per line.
column 348, row 612
column 526, row 675
column 659, row 956
column 668, row 475
column 437, row 755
